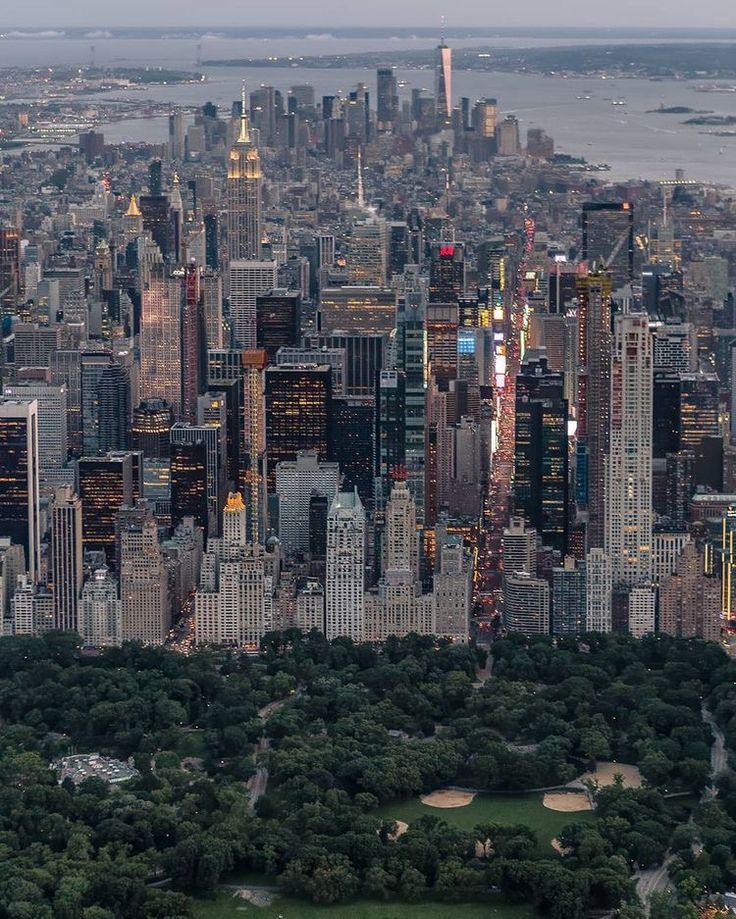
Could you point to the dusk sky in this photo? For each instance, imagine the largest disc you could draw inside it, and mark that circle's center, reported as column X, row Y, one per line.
column 323, row 13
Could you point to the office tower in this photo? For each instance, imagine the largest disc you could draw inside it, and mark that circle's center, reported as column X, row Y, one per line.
column 366, row 256
column 156, row 216
column 364, row 355
column 451, row 588
column 11, row 284
column 357, row 310
column 662, row 291
column 100, row 614
column 569, row 611
column 19, row 487
column 66, row 370
column 441, row 325
column 113, row 408
column 105, row 484
column 66, row 558
column 160, row 339
column 519, row 547
column 541, row 453
column 176, row 135
column 525, row 604
column 248, row 280
column 628, row 508
column 390, row 432
column 397, row 255
column 296, row 483
column 508, row 142
column 484, row 117
column 446, row 272
column 144, row 585
column 193, row 342
column 298, row 403
column 319, row 507
column 351, row 444
column 211, row 282
column 92, row 366
column 411, row 360
column 690, row 602
column 244, row 182
column 699, row 409
column 680, row 487
column 150, row 428
column 53, row 443
column 675, row 346
column 608, row 239
column 443, row 85
column 335, row 357
column 344, row 597
column 278, row 320
column 189, row 478
column 211, row 242
column 387, row 102
column 593, row 397
column 233, row 605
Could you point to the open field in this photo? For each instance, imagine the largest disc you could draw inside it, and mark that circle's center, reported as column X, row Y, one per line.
column 229, row 907
column 505, row 809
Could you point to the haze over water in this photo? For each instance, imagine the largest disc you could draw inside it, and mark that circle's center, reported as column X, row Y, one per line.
column 634, row 142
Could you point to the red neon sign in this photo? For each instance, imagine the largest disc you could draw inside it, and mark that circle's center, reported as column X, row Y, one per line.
column 447, row 251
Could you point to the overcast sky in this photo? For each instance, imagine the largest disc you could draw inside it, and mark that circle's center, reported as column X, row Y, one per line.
column 322, row 13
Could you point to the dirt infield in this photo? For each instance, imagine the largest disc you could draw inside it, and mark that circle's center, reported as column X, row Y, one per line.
column 605, row 773
column 401, row 828
column 558, row 847
column 567, row 802
column 445, row 797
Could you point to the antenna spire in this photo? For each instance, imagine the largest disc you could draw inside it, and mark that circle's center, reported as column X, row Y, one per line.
column 442, row 29
column 244, row 137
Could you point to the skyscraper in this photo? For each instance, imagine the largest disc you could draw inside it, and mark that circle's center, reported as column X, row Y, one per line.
column 387, row 103
column 19, row 490
column 278, row 320
column 244, row 181
column 100, row 614
column 594, row 380
column 541, row 453
column 525, row 604
column 189, row 481
column 344, row 597
column 160, row 339
column 67, row 555
column 105, row 483
column 10, row 276
column 193, row 342
column 569, row 611
column 446, row 272
column 690, row 602
column 443, row 85
column 296, row 483
column 608, row 238
column 248, row 280
column 628, row 507
column 144, row 585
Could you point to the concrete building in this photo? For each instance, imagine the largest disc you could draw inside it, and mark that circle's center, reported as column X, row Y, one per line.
column 144, row 585
column 296, row 483
column 525, row 604
column 344, row 592
column 100, row 615
column 67, row 555
column 690, row 602
column 599, row 587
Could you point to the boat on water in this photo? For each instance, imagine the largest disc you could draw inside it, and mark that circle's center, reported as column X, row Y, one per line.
column 618, row 101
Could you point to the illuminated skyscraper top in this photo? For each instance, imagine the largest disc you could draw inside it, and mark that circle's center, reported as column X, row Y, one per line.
column 244, row 180
column 443, row 83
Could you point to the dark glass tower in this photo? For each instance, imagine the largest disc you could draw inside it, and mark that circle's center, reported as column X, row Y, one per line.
column 105, row 483
column 387, row 103
column 19, row 493
column 278, row 320
column 298, row 412
column 608, row 235
column 189, row 482
column 113, row 397
column 351, row 445
column 446, row 272
column 540, row 453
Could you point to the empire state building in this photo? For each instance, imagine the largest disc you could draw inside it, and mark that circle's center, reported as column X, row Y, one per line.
column 244, row 180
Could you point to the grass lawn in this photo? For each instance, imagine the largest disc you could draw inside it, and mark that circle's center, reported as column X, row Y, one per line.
column 505, row 809
column 229, row 907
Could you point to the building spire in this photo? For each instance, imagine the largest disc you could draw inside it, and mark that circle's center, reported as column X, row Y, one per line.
column 442, row 30
column 244, row 137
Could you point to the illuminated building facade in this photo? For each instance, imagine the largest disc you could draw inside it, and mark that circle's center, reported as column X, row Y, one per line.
column 160, row 340
column 19, row 486
column 244, row 192
column 105, row 483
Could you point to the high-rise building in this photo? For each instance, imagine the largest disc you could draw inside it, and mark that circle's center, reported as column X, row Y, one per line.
column 105, row 484
column 100, row 616
column 357, row 310
column 642, row 610
column 296, row 483
column 390, row 433
column 593, row 398
column 278, row 320
column 387, row 102
column 298, row 403
column 443, row 85
column 451, row 590
column 11, row 282
column 569, row 611
column 344, row 597
column 177, row 149
column 446, row 272
column 189, row 480
column 244, row 192
column 484, row 117
column 160, row 339
column 193, row 342
column 351, row 444
column 608, row 238
column 113, row 408
column 144, row 585
column 541, row 453
column 53, row 442
column 92, row 366
column 628, row 508
column 366, row 255
column 690, row 602
column 150, row 429
column 599, row 586
column 19, row 486
column 411, row 360
column 248, row 280
column 525, row 604
column 519, row 546
column 67, row 556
